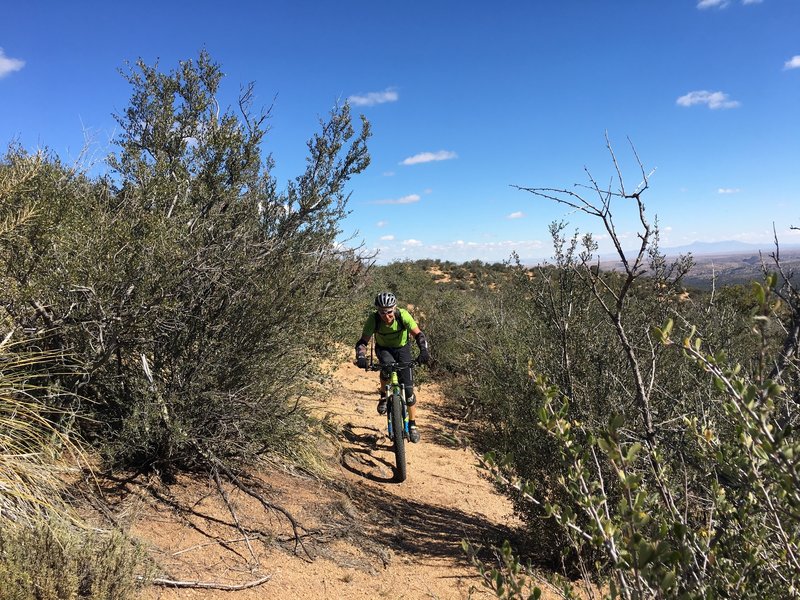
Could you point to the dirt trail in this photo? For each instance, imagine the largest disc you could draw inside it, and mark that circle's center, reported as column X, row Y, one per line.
column 367, row 538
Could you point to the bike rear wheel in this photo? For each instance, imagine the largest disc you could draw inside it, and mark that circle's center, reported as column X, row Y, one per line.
column 399, row 428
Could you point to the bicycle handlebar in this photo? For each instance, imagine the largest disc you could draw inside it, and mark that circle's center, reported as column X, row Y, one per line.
column 395, row 366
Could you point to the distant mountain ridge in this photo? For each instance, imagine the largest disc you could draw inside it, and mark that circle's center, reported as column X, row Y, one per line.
column 731, row 253
column 724, row 263
column 725, row 247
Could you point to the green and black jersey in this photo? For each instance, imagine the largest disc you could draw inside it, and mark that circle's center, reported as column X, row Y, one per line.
column 390, row 336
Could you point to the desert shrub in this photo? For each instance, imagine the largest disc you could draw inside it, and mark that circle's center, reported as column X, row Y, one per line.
column 52, row 559
column 652, row 467
column 44, row 551
column 719, row 520
column 184, row 280
column 36, row 441
column 410, row 281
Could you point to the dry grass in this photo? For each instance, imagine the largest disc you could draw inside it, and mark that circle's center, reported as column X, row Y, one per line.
column 46, row 552
column 31, row 446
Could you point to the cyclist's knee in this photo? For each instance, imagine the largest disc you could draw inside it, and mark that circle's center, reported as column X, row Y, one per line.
column 411, row 398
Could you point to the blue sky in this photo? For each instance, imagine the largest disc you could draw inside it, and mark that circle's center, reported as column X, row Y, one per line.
column 466, row 100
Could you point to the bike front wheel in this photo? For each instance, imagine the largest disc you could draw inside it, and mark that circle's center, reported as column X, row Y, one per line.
column 398, row 427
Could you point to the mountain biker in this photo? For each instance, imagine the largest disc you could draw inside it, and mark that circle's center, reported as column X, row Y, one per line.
column 391, row 325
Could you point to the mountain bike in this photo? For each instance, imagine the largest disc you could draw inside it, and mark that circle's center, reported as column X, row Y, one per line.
column 396, row 413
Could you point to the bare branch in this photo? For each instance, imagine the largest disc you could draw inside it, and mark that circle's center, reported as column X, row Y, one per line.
column 235, row 517
column 210, row 585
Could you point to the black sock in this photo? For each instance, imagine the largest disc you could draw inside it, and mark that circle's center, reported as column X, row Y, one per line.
column 412, row 422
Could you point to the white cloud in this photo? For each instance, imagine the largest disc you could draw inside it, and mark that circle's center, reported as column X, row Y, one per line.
column 461, row 250
column 728, row 190
column 9, row 65
column 381, row 223
column 516, row 215
column 703, row 4
column 387, row 238
column 427, row 191
column 424, row 157
column 792, row 63
column 714, row 100
column 388, row 173
column 373, row 98
column 410, row 199
column 625, row 235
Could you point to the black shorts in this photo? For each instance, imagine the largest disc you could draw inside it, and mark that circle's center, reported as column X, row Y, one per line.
column 387, row 356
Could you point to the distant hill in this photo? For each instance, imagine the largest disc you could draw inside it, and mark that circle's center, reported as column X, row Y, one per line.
column 725, row 247
column 740, row 267
column 726, row 263
column 717, row 263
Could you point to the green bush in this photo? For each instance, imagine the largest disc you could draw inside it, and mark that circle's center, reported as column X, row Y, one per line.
column 51, row 559
column 649, row 474
column 188, row 285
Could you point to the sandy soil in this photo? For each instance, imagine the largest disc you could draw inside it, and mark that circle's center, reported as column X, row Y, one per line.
column 363, row 537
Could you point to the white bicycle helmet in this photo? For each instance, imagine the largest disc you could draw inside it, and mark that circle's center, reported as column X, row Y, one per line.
column 385, row 300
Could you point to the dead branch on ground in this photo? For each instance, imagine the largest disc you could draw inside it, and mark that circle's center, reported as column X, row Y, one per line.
column 210, row 585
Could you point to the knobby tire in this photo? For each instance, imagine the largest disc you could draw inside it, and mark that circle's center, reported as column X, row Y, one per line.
column 399, row 429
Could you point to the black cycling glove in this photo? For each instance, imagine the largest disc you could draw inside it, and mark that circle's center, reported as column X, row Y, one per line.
column 361, row 354
column 424, row 353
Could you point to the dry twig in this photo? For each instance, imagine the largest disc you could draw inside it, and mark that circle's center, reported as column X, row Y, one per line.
column 210, row 585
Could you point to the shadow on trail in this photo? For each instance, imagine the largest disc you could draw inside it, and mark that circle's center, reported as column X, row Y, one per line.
column 353, row 457
column 370, row 440
column 408, row 525
column 413, row 527
column 361, row 459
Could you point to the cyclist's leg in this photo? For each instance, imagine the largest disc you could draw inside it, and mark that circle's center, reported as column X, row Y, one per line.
column 385, row 357
column 406, row 376
column 407, row 380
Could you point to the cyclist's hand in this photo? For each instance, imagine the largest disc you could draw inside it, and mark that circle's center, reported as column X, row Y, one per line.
column 361, row 361
column 424, row 356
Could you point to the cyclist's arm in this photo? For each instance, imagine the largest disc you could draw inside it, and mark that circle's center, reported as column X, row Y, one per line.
column 366, row 333
column 422, row 343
